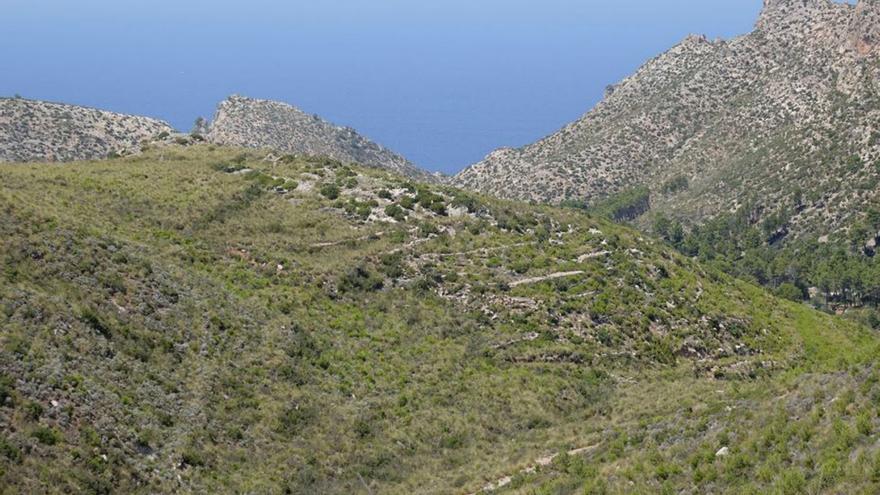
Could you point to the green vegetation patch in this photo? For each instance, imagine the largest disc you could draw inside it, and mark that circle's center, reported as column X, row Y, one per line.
column 179, row 326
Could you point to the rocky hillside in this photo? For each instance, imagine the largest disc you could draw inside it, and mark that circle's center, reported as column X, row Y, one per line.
column 204, row 320
column 41, row 131
column 247, row 122
column 786, row 118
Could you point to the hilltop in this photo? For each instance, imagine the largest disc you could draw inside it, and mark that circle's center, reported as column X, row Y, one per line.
column 203, row 319
column 252, row 123
column 782, row 121
column 32, row 130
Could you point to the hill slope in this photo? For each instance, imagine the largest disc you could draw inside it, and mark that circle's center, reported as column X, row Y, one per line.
column 33, row 130
column 197, row 320
column 784, row 119
column 251, row 123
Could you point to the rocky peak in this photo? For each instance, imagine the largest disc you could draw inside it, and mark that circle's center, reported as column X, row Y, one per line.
column 747, row 121
column 781, row 13
column 865, row 26
column 32, row 130
column 815, row 17
column 253, row 123
column 776, row 7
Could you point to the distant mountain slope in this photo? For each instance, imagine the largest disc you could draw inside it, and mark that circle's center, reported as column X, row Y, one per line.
column 33, row 130
column 784, row 118
column 253, row 123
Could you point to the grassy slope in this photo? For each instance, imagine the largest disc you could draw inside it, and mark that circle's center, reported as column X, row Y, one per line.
column 169, row 326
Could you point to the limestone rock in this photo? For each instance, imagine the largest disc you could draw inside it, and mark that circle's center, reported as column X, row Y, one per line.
column 253, row 123
column 32, row 130
column 785, row 118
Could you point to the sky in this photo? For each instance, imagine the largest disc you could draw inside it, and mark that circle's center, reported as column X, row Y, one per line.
column 443, row 82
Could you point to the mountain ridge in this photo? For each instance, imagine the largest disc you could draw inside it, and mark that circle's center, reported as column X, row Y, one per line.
column 256, row 123
column 34, row 130
column 744, row 121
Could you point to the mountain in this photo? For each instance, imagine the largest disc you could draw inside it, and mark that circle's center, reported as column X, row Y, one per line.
column 783, row 120
column 196, row 319
column 33, row 130
column 253, row 123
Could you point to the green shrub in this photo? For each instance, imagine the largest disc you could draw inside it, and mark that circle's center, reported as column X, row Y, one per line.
column 364, row 211
column 407, row 202
column 426, row 229
column 875, row 468
column 666, row 470
column 9, row 450
column 363, row 427
column 295, row 418
column 675, row 184
column 465, row 200
column 46, row 435
column 791, row 292
column 864, row 423
column 597, row 486
column 439, row 208
column 575, row 204
column 33, row 410
column 330, row 191
column 396, row 212
column 360, row 278
column 829, row 472
column 431, row 201
column 6, row 390
column 791, row 482
column 192, row 457
column 392, row 265
column 90, row 437
column 345, row 173
column 452, row 440
column 227, row 167
column 91, row 318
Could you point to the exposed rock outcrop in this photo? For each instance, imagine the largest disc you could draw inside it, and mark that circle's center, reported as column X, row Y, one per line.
column 253, row 123
column 33, row 130
column 785, row 117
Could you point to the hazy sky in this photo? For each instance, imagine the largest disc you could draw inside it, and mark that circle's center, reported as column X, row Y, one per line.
column 443, row 82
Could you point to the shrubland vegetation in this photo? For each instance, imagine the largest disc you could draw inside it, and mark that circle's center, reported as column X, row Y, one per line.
column 206, row 320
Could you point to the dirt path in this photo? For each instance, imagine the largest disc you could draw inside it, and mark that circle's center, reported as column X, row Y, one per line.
column 377, row 235
column 485, row 250
column 591, row 256
column 552, row 276
column 539, row 463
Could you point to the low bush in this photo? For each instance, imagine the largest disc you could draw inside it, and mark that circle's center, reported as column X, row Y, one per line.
column 396, row 212
column 330, row 191
column 46, row 435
